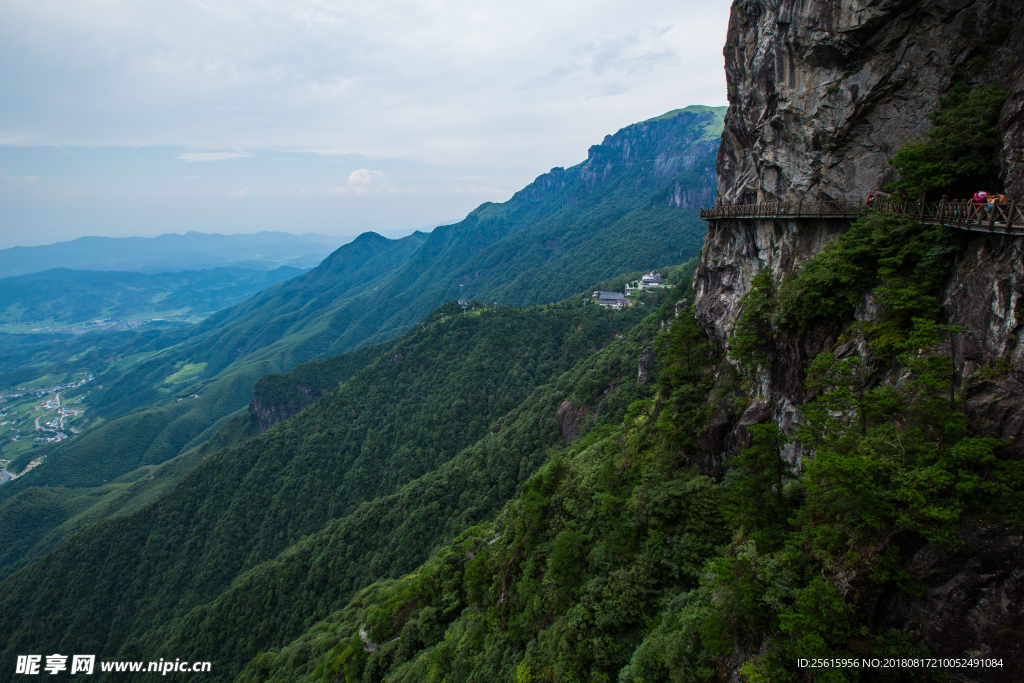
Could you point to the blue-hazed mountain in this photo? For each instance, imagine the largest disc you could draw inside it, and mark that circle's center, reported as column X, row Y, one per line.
column 628, row 207
column 171, row 253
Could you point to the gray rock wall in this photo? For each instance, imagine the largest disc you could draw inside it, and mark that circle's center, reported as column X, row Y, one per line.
column 821, row 93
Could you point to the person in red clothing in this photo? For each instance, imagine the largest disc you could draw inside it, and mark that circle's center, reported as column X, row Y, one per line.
column 977, row 202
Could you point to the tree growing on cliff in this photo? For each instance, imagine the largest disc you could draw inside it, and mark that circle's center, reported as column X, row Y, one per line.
column 957, row 155
column 755, row 328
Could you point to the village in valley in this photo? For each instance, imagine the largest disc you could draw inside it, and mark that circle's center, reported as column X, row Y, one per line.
column 621, row 299
column 34, row 415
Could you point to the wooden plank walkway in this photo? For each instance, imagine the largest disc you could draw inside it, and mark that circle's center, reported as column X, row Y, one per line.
column 1006, row 219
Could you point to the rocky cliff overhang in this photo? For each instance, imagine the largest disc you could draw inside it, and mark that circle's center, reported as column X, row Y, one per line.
column 821, row 94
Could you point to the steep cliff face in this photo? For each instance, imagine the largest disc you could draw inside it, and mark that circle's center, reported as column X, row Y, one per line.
column 986, row 296
column 676, row 152
column 271, row 414
column 821, row 95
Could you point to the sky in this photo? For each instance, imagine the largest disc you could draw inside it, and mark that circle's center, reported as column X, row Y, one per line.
column 134, row 117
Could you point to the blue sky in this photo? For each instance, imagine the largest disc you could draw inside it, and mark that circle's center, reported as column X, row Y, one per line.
column 128, row 117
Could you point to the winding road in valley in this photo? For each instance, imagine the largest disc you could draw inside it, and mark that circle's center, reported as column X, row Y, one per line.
column 45, row 414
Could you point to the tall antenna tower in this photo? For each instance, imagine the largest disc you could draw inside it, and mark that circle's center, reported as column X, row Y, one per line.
column 462, row 297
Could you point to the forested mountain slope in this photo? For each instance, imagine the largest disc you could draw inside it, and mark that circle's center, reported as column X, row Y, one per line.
column 387, row 448
column 627, row 208
column 830, row 467
column 222, row 356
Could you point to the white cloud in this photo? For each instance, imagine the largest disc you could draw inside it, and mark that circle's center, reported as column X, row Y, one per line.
column 241, row 193
column 363, row 181
column 458, row 82
column 74, row 194
column 211, row 156
column 455, row 102
column 363, row 177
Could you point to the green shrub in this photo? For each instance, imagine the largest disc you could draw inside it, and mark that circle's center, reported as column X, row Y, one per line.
column 905, row 263
column 957, row 155
column 749, row 344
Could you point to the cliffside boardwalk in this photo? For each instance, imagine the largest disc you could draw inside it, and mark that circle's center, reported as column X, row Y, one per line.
column 1007, row 219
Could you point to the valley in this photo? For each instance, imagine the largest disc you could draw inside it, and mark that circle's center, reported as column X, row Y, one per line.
column 23, row 408
column 61, row 301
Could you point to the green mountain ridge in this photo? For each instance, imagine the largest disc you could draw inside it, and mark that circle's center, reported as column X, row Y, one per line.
column 314, row 471
column 566, row 231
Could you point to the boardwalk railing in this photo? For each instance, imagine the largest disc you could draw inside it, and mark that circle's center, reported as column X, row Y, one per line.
column 1007, row 219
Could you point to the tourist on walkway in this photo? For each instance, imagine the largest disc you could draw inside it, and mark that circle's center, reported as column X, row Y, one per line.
column 978, row 201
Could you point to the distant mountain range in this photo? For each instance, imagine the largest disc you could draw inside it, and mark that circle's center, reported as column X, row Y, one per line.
column 172, row 253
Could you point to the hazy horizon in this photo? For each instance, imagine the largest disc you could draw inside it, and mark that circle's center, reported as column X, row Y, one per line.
column 323, row 238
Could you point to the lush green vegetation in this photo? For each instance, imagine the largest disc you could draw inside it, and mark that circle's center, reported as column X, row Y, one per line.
column 494, row 496
column 525, row 510
column 145, row 423
column 957, row 158
column 377, row 469
column 903, row 265
column 619, row 561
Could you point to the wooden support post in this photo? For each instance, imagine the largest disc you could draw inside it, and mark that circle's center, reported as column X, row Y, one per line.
column 1012, row 218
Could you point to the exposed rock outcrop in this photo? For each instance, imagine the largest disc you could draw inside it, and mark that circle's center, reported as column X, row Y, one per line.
column 674, row 151
column 270, row 414
column 973, row 604
column 645, row 365
column 570, row 420
column 986, row 295
column 822, row 93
